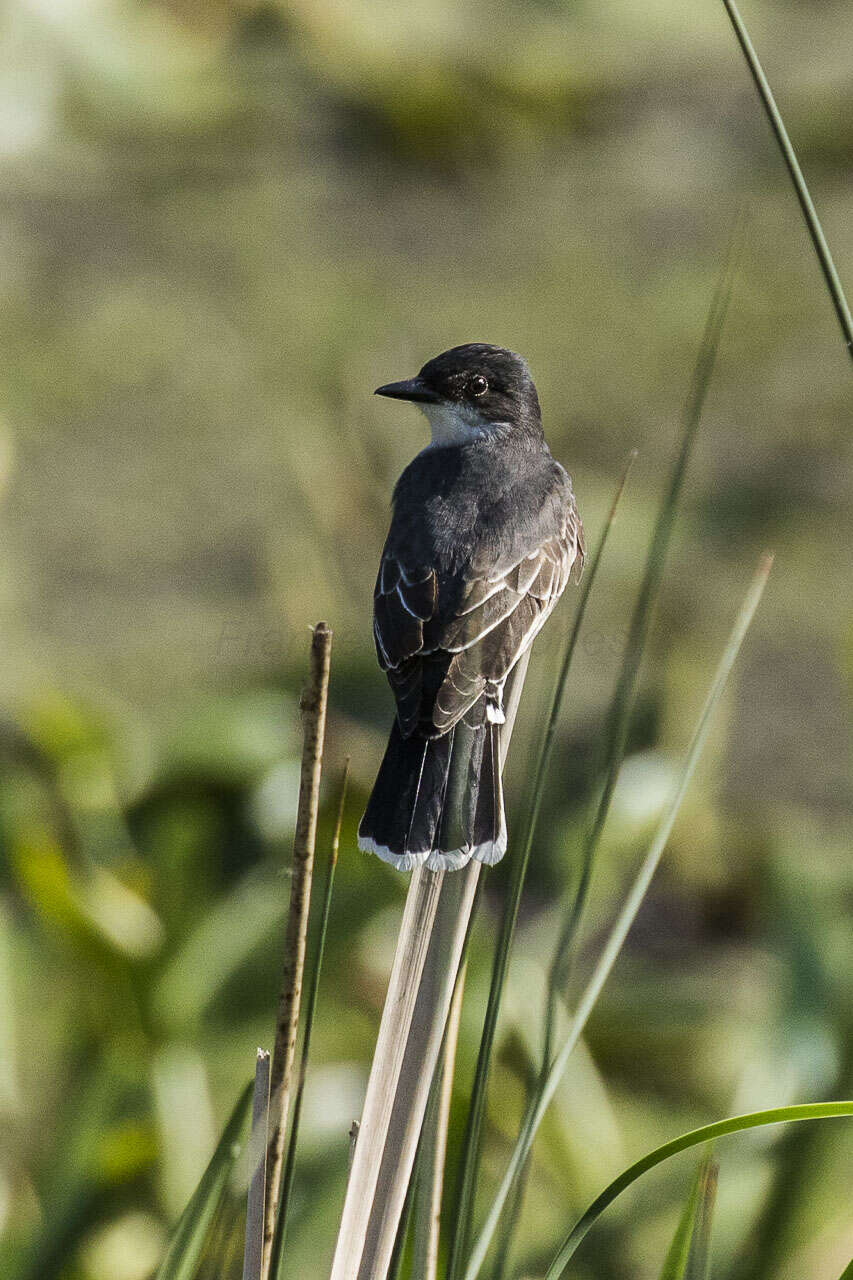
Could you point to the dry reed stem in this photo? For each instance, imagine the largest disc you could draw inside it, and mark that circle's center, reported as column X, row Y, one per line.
column 420, row 989
column 423, row 1046
column 313, row 706
column 254, row 1245
column 394, row 1029
column 430, row 1175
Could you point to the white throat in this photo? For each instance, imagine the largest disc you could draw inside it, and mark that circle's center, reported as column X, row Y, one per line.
column 453, row 423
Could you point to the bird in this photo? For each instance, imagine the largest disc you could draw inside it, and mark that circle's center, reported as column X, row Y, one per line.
column 484, row 537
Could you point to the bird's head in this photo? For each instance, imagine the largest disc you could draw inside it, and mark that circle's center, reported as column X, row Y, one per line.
column 470, row 391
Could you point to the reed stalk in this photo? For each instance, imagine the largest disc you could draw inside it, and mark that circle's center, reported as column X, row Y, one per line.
column 313, row 707
column 420, row 989
column 253, row 1250
column 433, row 1150
column 278, row 1266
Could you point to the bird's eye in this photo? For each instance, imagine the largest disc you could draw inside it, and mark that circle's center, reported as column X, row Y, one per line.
column 478, row 386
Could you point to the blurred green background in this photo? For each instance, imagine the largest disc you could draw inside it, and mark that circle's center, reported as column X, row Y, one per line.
column 221, row 225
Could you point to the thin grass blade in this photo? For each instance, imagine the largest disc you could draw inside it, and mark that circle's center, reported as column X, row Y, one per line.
column 433, row 1146
column 678, row 1254
column 253, row 1244
column 226, row 1240
column 625, row 919
column 616, row 736
column 184, row 1253
column 708, row 1132
column 277, row 1265
column 619, row 714
column 699, row 1262
column 510, row 1220
column 313, row 705
column 689, row 1254
column 821, row 248
column 469, row 1159
column 512, row 1216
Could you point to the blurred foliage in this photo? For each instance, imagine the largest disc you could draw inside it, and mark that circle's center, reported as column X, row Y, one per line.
column 223, row 223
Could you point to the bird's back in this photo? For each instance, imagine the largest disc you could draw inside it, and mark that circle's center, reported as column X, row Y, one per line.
column 477, row 503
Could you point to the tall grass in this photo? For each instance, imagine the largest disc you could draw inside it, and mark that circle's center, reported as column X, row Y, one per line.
column 616, row 733
column 548, row 1081
column 471, row 1141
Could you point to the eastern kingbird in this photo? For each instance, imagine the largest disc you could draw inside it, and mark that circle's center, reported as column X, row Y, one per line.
column 484, row 536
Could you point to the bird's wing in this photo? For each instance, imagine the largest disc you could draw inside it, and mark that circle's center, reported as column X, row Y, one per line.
column 502, row 610
column 440, row 665
column 404, row 599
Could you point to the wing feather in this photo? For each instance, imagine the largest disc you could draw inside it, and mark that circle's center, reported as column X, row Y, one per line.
column 449, row 646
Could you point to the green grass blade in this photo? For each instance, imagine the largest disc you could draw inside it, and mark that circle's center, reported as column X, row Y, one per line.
column 699, row 1261
column 277, row 1263
column 678, row 1254
column 625, row 919
column 512, row 1213
column 689, row 1254
column 821, row 248
column 432, row 1151
column 183, row 1254
column 470, row 1156
column 619, row 714
column 616, row 738
column 618, row 718
column 708, row 1132
column 847, row 1273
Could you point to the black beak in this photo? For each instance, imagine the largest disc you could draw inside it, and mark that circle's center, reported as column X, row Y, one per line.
column 411, row 389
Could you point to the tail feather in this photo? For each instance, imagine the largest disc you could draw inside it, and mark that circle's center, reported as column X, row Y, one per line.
column 437, row 801
column 489, row 824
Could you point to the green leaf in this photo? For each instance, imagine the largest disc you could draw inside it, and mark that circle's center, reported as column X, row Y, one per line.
column 708, row 1132
column 549, row 1080
column 183, row 1254
column 689, row 1255
column 847, row 1273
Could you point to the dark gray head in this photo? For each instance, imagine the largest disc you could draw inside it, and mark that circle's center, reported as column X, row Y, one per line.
column 473, row 390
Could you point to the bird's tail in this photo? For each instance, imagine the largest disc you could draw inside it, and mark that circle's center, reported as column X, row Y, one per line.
column 438, row 801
